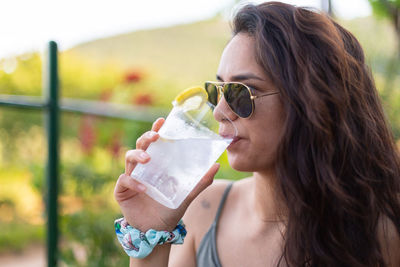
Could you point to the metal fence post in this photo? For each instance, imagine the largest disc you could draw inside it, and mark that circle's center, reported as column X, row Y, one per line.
column 52, row 175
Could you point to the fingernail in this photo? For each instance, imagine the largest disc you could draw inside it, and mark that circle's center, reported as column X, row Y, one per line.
column 144, row 155
column 141, row 187
column 151, row 134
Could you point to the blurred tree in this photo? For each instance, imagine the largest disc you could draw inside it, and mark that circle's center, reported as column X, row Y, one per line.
column 391, row 10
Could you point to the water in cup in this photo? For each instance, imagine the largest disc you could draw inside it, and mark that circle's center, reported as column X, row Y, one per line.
column 187, row 148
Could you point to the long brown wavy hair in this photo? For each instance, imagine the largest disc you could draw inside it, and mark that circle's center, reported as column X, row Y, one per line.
column 338, row 167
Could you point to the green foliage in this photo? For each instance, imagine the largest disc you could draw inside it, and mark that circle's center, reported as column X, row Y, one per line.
column 20, row 219
column 26, row 79
column 14, row 133
column 390, row 88
column 377, row 39
column 91, row 239
column 18, row 235
column 381, row 7
column 85, row 80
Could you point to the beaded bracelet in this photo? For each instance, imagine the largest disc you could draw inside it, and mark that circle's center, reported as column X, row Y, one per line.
column 138, row 244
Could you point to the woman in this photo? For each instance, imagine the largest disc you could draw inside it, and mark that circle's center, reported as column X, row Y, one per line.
column 325, row 184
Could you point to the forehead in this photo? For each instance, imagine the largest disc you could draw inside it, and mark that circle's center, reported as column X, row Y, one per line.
column 238, row 58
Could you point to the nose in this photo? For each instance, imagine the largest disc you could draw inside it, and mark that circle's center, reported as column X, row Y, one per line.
column 222, row 111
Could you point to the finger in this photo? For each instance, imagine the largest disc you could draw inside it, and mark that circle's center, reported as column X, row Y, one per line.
column 203, row 184
column 146, row 139
column 157, row 124
column 133, row 157
column 125, row 182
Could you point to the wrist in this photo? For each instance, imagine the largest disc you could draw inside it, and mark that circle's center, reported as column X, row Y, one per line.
column 159, row 257
column 139, row 244
column 146, row 226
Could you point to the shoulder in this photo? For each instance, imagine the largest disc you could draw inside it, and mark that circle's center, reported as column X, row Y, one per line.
column 201, row 212
column 198, row 218
column 389, row 240
column 207, row 202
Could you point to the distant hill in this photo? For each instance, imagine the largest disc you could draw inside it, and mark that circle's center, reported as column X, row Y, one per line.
column 187, row 54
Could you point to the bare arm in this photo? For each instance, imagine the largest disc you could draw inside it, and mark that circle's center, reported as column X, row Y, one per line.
column 157, row 258
column 179, row 255
column 184, row 255
column 144, row 213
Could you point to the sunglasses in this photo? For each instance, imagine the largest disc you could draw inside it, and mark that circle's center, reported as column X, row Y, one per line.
column 238, row 96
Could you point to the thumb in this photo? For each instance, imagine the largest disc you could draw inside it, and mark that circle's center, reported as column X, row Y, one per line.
column 203, row 184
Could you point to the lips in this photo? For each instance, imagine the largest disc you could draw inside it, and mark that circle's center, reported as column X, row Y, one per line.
column 234, row 141
column 231, row 136
column 235, row 138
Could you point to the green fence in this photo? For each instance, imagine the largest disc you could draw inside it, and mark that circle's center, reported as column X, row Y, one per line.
column 51, row 105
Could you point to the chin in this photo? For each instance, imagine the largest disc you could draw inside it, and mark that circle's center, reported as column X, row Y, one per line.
column 239, row 164
column 243, row 163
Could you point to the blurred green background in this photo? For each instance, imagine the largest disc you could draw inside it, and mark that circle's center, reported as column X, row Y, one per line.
column 142, row 68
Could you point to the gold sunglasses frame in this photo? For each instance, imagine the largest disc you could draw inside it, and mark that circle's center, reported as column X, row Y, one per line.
column 220, row 91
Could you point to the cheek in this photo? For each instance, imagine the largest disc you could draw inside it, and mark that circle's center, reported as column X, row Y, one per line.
column 255, row 153
column 258, row 151
column 264, row 146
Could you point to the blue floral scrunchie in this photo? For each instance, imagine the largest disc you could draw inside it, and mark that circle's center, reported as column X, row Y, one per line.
column 138, row 244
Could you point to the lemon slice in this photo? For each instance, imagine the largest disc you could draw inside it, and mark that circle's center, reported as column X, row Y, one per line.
column 191, row 98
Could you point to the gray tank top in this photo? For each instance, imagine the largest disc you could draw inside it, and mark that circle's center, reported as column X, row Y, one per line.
column 207, row 255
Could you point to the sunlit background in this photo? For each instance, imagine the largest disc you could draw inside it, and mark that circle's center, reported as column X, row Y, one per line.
column 32, row 23
column 133, row 54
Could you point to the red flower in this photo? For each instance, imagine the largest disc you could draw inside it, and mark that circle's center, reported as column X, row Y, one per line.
column 143, row 99
column 116, row 145
column 87, row 134
column 133, row 77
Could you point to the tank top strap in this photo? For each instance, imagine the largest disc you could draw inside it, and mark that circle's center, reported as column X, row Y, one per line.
column 221, row 204
column 207, row 254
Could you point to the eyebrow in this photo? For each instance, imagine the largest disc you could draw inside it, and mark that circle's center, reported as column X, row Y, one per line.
column 242, row 77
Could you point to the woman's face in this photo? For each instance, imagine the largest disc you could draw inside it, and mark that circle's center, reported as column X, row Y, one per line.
column 259, row 135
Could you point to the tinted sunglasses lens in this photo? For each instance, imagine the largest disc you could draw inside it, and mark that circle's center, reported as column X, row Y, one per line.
column 238, row 98
column 212, row 92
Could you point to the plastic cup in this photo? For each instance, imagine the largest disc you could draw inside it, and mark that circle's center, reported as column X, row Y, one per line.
column 188, row 146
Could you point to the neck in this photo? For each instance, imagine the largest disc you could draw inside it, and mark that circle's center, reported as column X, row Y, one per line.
column 265, row 199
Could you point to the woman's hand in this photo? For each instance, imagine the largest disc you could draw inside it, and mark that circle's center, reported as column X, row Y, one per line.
column 141, row 211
